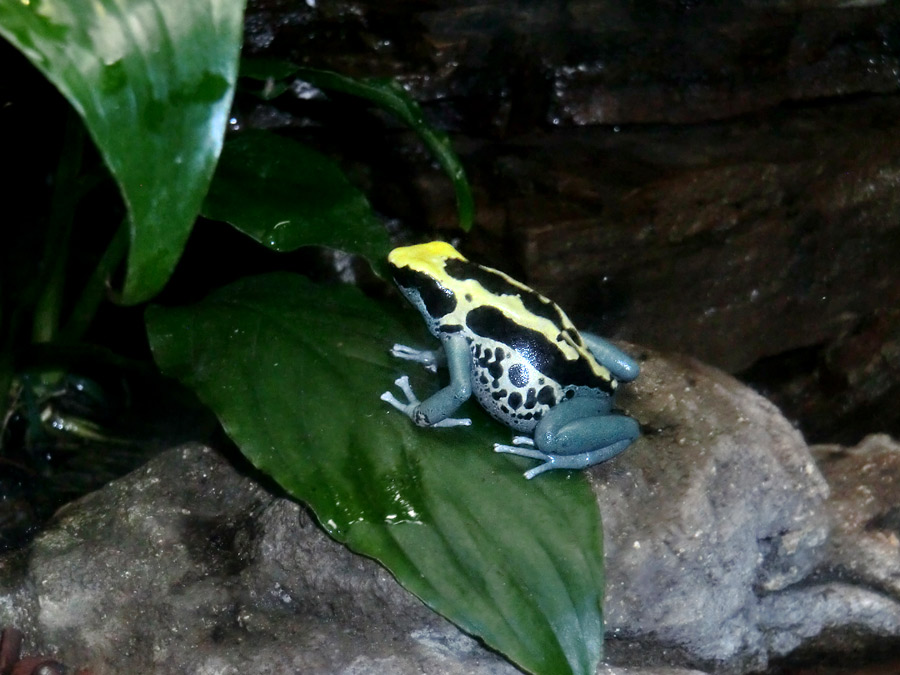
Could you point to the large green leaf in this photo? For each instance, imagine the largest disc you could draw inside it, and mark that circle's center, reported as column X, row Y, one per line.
column 295, row 371
column 153, row 81
column 286, row 195
column 388, row 95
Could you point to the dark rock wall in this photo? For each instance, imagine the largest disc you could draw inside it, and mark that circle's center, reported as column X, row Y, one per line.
column 717, row 179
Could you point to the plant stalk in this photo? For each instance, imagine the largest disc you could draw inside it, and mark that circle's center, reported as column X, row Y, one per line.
column 95, row 288
column 62, row 214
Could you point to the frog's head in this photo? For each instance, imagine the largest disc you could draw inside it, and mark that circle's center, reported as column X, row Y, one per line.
column 419, row 272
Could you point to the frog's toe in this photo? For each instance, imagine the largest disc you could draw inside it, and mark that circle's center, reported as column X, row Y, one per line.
column 403, row 383
column 403, row 352
column 411, row 400
column 388, row 397
column 547, row 466
column 530, row 452
column 578, row 461
column 453, row 422
column 412, row 404
column 424, row 356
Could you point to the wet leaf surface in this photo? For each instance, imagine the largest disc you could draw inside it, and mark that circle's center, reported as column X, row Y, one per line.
column 294, row 371
column 286, row 195
column 153, row 81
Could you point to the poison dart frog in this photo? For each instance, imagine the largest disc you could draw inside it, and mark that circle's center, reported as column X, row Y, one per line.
column 519, row 354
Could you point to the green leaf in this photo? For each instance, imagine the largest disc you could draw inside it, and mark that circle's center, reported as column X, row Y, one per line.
column 286, row 195
column 386, row 94
column 294, row 372
column 267, row 77
column 390, row 96
column 262, row 68
column 153, row 81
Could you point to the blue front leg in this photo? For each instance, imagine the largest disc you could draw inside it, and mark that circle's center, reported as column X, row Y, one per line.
column 574, row 435
column 435, row 411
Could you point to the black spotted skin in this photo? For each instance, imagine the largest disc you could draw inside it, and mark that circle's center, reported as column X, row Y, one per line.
column 511, row 389
column 526, row 354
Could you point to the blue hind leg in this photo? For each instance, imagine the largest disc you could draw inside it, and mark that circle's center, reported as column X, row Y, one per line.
column 623, row 367
column 574, row 435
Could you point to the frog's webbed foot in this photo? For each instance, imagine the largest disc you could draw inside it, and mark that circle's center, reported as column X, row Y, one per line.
column 525, row 447
column 429, row 359
column 410, row 407
column 522, row 446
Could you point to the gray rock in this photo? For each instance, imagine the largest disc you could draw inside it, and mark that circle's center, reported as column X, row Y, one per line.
column 185, row 566
column 852, row 605
column 716, row 539
column 864, row 548
column 718, row 504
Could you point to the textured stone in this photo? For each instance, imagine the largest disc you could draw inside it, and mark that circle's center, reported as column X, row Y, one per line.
column 185, row 566
column 502, row 66
column 864, row 548
column 713, row 238
column 841, row 389
column 715, row 535
column 718, row 504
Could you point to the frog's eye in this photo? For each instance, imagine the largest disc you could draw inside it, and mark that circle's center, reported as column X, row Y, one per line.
column 437, row 300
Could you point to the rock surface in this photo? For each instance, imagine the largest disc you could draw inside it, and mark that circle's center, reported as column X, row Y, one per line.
column 854, row 595
column 718, row 552
column 185, row 566
column 506, row 64
column 717, row 507
column 865, row 513
column 850, row 384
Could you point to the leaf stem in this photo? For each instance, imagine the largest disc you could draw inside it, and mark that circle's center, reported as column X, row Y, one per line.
column 389, row 95
column 95, row 288
column 62, row 213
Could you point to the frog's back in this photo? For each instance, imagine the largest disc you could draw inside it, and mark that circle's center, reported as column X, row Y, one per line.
column 526, row 354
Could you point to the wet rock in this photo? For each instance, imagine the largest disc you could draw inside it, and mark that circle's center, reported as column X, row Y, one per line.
column 715, row 508
column 853, row 597
column 714, row 529
column 504, row 66
column 729, row 244
column 685, row 62
column 864, row 549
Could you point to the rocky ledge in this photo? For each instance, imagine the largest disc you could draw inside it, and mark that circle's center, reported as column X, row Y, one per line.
column 730, row 547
